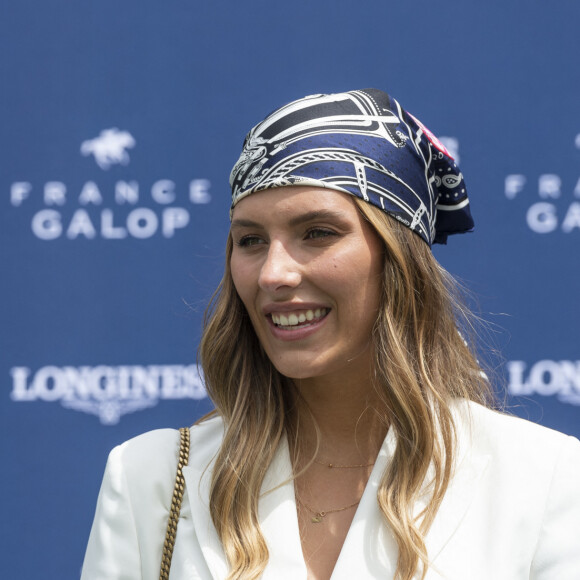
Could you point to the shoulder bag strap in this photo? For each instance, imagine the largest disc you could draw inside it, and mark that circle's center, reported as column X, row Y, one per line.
column 178, row 490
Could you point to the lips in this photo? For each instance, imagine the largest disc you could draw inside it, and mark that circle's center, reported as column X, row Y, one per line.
column 298, row 318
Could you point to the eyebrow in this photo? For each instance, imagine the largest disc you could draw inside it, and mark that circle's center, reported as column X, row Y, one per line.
column 297, row 220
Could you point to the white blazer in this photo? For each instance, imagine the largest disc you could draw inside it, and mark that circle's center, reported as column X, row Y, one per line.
column 511, row 512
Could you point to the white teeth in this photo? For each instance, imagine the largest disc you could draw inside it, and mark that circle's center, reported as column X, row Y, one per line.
column 294, row 319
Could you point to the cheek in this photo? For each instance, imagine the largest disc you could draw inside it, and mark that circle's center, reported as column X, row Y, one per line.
column 240, row 278
column 368, row 287
column 245, row 286
column 358, row 272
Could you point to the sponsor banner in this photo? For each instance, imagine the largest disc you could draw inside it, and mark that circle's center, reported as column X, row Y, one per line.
column 556, row 207
column 106, row 209
column 548, row 378
column 109, row 392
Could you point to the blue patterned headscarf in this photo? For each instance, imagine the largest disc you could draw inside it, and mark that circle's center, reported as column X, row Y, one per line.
column 362, row 143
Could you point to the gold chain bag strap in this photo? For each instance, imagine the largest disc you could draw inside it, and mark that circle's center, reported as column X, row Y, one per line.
column 178, row 490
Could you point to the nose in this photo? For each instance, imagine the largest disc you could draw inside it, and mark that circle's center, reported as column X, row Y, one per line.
column 279, row 269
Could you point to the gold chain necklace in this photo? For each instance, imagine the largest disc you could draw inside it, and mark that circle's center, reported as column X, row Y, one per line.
column 334, row 466
column 318, row 515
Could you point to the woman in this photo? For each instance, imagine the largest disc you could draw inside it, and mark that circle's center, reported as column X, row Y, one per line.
column 351, row 437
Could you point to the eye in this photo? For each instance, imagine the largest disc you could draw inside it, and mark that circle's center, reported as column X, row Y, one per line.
column 248, row 241
column 319, row 233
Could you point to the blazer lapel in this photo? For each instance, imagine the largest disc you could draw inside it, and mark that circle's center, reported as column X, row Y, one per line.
column 279, row 520
column 470, row 466
column 205, row 441
column 370, row 550
column 277, row 509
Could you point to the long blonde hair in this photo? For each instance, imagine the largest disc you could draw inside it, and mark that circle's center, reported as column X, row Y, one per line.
column 421, row 364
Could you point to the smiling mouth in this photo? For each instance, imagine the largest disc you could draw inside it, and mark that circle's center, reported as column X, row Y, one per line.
column 298, row 319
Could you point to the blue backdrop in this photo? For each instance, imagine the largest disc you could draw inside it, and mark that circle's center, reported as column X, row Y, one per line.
column 120, row 122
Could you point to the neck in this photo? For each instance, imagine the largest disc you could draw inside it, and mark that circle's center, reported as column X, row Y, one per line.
column 340, row 421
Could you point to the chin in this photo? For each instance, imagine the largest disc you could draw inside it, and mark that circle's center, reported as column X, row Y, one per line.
column 297, row 369
column 302, row 370
column 294, row 374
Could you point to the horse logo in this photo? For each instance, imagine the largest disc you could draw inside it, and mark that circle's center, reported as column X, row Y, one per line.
column 109, row 148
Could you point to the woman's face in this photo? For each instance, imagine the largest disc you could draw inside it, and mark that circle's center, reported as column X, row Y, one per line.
column 308, row 269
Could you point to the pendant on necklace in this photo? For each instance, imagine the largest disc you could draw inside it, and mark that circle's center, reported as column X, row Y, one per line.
column 317, row 518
